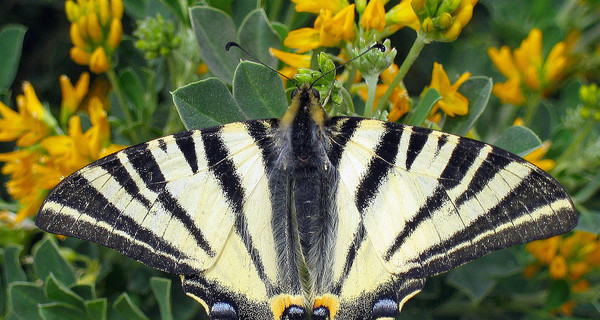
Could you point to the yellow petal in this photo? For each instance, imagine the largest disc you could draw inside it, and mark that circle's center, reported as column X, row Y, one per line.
column 98, row 61
column 504, row 62
column 509, row 91
column 315, row 6
column 292, row 59
column 373, row 16
column 303, row 39
column 77, row 38
column 402, row 15
column 94, row 29
column 116, row 9
column 79, row 56
column 104, row 11
column 115, row 33
column 32, row 103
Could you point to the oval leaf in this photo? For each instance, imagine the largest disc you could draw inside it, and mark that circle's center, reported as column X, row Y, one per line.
column 259, row 91
column 161, row 287
column 11, row 43
column 97, row 308
column 477, row 90
column 205, row 104
column 59, row 292
column 23, row 299
column 11, row 265
column 126, row 308
column 518, row 140
column 59, row 311
column 257, row 35
column 47, row 259
column 213, row 29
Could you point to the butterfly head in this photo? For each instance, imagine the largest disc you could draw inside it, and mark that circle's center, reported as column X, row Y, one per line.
column 305, row 104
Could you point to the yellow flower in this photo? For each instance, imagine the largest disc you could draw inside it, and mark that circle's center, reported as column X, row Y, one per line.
column 374, row 16
column 328, row 31
column 536, row 156
column 452, row 102
column 29, row 124
column 96, row 31
column 402, row 15
column 526, row 70
column 293, row 61
column 72, row 96
column 443, row 20
column 315, row 6
column 558, row 267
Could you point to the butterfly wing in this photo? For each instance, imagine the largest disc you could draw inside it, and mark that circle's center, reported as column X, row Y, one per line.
column 195, row 204
column 420, row 202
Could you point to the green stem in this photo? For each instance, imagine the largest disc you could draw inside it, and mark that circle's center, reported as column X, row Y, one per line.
column 114, row 81
column 414, row 52
column 371, row 89
column 575, row 145
column 532, row 105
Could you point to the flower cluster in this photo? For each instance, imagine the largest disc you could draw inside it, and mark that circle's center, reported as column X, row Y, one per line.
column 570, row 258
column 526, row 70
column 96, row 31
column 45, row 156
column 443, row 20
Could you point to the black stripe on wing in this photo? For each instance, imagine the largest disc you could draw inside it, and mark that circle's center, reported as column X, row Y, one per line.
column 225, row 172
column 76, row 193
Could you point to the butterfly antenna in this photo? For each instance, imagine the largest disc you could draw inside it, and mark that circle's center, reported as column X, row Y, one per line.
column 377, row 45
column 235, row 44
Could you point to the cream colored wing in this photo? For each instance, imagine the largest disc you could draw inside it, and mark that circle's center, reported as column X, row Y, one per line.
column 414, row 202
column 196, row 204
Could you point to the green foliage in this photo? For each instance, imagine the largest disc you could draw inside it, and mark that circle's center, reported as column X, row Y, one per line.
column 50, row 291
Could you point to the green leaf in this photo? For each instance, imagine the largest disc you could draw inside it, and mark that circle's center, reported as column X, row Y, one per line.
column 11, row 43
column 281, row 29
column 257, row 35
column 135, row 8
column 57, row 291
column 161, row 287
column 175, row 7
column 133, row 88
column 61, row 311
column 11, row 265
column 47, row 259
column 429, row 99
column 85, row 291
column 126, row 308
column 205, row 104
column 518, row 140
column 477, row 90
column 259, row 91
column 557, row 294
column 589, row 221
column 23, row 299
column 213, row 29
column 97, row 309
column 240, row 9
column 478, row 278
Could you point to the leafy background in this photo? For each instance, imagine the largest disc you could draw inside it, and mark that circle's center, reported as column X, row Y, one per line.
column 48, row 278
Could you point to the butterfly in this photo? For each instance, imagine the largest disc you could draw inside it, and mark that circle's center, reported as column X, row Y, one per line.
column 308, row 215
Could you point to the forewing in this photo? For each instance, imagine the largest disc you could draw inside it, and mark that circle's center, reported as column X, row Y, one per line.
column 423, row 202
column 183, row 204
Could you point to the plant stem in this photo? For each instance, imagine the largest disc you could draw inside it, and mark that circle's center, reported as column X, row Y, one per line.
column 371, row 89
column 114, row 81
column 412, row 55
column 575, row 144
column 532, row 105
